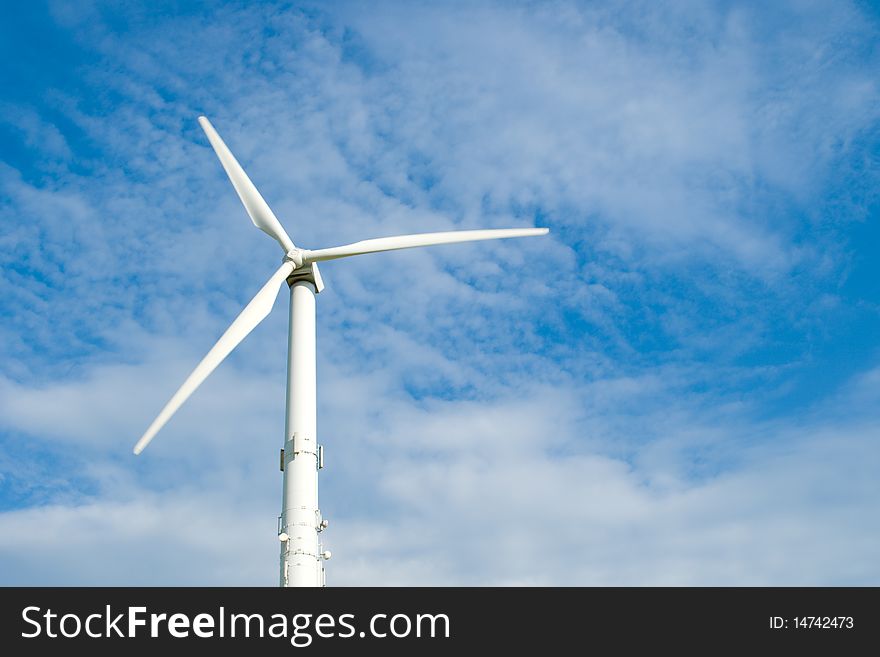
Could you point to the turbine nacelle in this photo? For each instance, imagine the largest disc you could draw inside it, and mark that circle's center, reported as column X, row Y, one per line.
column 307, row 272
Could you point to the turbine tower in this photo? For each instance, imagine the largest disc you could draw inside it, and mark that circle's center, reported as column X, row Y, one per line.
column 302, row 557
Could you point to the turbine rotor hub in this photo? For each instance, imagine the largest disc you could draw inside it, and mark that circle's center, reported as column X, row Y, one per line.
column 296, row 257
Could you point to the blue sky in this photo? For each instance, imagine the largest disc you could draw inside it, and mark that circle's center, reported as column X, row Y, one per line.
column 679, row 385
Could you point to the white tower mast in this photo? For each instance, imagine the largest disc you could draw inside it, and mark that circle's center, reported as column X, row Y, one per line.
column 302, row 558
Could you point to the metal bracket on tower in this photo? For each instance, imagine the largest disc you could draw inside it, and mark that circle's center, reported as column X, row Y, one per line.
column 309, row 273
column 303, row 442
column 299, row 443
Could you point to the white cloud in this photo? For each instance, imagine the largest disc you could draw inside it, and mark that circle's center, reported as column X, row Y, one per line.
column 466, row 493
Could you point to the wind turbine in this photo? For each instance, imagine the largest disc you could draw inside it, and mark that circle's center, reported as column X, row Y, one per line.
column 301, row 521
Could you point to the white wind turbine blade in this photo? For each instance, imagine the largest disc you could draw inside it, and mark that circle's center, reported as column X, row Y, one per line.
column 411, row 241
column 260, row 212
column 254, row 313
